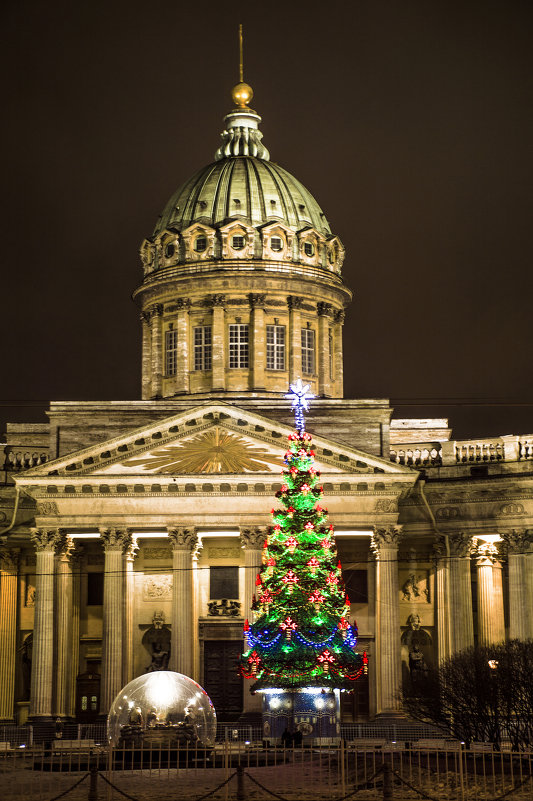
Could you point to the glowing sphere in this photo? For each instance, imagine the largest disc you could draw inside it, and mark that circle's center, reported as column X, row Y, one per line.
column 241, row 94
column 162, row 706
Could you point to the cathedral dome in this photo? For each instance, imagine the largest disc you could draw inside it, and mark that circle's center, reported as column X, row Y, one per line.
column 241, row 206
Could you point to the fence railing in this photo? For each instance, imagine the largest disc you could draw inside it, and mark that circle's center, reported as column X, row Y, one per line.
column 367, row 769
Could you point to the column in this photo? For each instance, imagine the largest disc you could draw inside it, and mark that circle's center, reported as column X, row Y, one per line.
column 442, row 593
column 252, row 540
column 115, row 542
column 127, row 673
column 47, row 542
column 219, row 343
column 63, row 621
column 8, row 632
column 338, row 361
column 388, row 666
column 184, row 542
column 157, row 351
column 489, row 603
column 182, row 328
column 460, row 600
column 257, row 319
column 324, row 378
column 497, row 584
column 519, row 550
column 146, row 356
column 295, row 338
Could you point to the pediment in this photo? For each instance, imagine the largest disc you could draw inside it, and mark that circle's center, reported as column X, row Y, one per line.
column 209, row 439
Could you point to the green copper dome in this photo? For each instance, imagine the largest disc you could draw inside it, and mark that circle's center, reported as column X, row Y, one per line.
column 251, row 189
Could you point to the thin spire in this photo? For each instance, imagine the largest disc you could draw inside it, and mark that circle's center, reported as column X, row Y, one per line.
column 241, row 61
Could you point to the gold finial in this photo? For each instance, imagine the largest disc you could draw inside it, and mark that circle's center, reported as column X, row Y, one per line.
column 242, row 93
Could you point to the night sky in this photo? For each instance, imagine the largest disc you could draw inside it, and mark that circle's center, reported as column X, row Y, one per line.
column 410, row 122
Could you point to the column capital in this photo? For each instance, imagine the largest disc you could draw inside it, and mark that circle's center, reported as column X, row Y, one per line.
column 385, row 538
column 215, row 300
column 48, row 539
column 9, row 560
column 253, row 537
column 295, row 302
column 339, row 315
column 182, row 538
column 256, row 301
column 324, row 309
column 115, row 539
column 461, row 544
column 518, row 541
column 156, row 310
column 485, row 553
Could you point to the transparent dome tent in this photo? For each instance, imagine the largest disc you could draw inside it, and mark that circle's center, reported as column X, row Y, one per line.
column 162, row 707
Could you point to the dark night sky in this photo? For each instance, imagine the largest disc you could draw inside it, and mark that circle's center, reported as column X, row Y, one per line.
column 410, row 122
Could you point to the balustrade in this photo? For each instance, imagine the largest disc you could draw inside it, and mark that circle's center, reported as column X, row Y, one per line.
column 478, row 451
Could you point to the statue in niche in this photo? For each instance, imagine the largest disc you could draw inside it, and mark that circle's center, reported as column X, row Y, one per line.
column 26, row 651
column 417, row 664
column 157, row 642
column 414, row 622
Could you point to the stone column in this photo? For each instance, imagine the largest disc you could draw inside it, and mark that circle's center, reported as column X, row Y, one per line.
column 63, row 622
column 442, row 593
column 252, row 540
column 184, row 542
column 497, row 584
column 338, row 361
column 324, row 376
column 183, row 334
column 489, row 603
column 146, row 356
column 388, row 658
column 460, row 603
column 219, row 343
column 47, row 542
column 8, row 633
column 76, row 562
column 519, row 544
column 129, row 594
column 257, row 320
column 157, row 350
column 295, row 338
column 115, row 542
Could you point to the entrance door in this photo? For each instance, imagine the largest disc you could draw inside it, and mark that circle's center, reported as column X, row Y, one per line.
column 222, row 680
column 355, row 705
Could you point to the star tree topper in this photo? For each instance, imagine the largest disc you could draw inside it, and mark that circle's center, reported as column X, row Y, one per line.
column 300, row 396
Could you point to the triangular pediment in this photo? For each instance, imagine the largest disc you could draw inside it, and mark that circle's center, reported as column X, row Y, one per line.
column 211, row 439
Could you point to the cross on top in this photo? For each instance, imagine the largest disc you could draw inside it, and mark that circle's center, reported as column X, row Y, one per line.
column 300, row 396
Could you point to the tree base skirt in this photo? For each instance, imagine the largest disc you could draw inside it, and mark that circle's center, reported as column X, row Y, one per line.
column 313, row 711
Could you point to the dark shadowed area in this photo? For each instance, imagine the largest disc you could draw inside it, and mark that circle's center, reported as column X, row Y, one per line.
column 410, row 122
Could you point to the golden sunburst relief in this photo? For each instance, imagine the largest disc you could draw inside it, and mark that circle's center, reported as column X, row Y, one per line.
column 215, row 451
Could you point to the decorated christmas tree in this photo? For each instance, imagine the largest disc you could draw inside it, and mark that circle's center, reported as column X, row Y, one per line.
column 301, row 636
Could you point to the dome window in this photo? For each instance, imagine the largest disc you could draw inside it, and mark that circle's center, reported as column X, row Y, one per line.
column 309, row 249
column 238, row 242
column 331, row 256
column 200, row 244
column 276, row 244
column 169, row 251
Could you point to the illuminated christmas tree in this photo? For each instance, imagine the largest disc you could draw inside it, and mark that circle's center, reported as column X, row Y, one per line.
column 301, row 638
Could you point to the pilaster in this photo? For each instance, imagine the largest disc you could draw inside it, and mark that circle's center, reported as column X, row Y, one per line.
column 219, row 343
column 460, row 604
column 257, row 316
column 129, row 558
column 384, row 544
column 442, row 592
column 182, row 328
column 252, row 539
column 295, row 337
column 146, row 356
column 325, row 313
column 519, row 544
column 9, row 561
column 157, row 350
column 184, row 542
column 63, row 628
column 338, row 360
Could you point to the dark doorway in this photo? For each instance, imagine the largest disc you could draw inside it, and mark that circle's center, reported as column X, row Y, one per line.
column 222, row 681
column 354, row 705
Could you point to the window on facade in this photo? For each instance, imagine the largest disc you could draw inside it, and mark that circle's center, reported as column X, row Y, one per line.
column 309, row 249
column 356, row 584
column 84, row 703
column 237, row 242
column 95, row 589
column 308, row 351
column 223, row 583
column 94, row 703
column 171, row 352
column 275, row 347
column 200, row 244
column 238, row 346
column 202, row 347
column 169, row 251
column 276, row 243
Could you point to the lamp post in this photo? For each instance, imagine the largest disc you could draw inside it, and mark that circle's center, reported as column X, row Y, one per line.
column 493, row 666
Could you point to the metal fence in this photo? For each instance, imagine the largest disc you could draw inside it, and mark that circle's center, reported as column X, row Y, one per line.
column 361, row 769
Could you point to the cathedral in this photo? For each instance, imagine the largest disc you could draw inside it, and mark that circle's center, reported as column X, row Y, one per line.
column 131, row 532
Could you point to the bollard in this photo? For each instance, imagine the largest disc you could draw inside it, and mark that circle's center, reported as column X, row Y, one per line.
column 387, row 782
column 240, row 783
column 93, row 782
